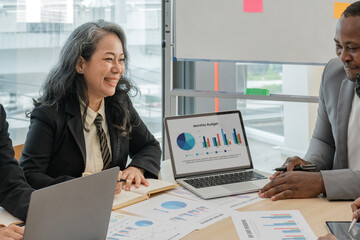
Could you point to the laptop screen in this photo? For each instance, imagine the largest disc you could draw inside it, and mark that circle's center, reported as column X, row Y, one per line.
column 205, row 143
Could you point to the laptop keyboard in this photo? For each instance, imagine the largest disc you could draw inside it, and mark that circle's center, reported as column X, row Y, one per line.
column 223, row 179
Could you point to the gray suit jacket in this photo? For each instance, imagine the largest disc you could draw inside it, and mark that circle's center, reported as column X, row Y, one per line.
column 328, row 146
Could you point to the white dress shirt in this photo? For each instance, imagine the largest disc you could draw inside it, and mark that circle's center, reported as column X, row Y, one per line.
column 353, row 135
column 94, row 161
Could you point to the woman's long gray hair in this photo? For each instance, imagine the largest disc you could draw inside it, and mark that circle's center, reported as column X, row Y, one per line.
column 63, row 81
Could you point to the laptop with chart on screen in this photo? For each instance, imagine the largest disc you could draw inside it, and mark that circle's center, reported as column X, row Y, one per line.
column 210, row 154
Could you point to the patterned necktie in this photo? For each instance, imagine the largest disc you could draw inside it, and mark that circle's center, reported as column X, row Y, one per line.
column 105, row 153
column 357, row 84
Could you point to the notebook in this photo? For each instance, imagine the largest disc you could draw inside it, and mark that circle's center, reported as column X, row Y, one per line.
column 77, row 209
column 210, row 154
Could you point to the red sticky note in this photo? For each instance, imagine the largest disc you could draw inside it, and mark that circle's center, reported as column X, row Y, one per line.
column 253, row 6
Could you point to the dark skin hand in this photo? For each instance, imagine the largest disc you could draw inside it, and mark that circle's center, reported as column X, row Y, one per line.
column 293, row 184
column 328, row 237
column 355, row 207
column 290, row 163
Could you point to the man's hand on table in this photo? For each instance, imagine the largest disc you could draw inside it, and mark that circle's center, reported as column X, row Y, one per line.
column 293, row 184
column 328, row 237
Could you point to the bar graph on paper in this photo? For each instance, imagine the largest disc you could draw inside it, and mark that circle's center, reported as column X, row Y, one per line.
column 221, row 139
column 283, row 225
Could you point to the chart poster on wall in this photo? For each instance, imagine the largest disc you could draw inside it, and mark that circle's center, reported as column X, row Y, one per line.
column 208, row 143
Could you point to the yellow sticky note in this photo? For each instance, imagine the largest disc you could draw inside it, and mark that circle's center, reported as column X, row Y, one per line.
column 339, row 8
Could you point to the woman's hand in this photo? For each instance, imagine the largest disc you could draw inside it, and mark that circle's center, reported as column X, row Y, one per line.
column 11, row 232
column 132, row 175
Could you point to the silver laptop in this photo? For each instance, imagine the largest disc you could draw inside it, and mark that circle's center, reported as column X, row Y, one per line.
column 210, row 154
column 78, row 209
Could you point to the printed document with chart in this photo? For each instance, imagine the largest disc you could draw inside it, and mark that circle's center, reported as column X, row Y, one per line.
column 232, row 202
column 123, row 226
column 283, row 225
column 179, row 210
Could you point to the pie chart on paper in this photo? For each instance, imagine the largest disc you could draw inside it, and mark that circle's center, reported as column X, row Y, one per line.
column 173, row 205
column 144, row 223
column 185, row 141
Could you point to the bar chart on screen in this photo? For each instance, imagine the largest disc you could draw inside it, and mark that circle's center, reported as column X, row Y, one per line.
column 224, row 140
column 284, row 225
column 197, row 144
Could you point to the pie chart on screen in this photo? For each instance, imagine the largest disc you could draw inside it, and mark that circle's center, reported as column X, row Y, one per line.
column 185, row 141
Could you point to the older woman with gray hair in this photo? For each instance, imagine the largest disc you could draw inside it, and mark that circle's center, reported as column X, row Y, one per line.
column 84, row 120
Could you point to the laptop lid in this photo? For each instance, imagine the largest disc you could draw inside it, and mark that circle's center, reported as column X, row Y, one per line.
column 207, row 143
column 77, row 209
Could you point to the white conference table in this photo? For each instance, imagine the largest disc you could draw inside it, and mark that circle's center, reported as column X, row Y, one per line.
column 315, row 211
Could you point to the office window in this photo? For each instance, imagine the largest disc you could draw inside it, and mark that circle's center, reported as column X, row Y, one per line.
column 32, row 33
column 275, row 129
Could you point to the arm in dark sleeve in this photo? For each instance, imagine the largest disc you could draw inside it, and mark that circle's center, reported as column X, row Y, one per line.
column 38, row 148
column 14, row 191
column 144, row 148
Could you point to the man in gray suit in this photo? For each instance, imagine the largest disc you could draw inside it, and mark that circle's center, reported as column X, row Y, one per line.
column 335, row 144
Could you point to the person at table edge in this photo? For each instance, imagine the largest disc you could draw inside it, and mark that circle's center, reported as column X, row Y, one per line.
column 90, row 78
column 334, row 146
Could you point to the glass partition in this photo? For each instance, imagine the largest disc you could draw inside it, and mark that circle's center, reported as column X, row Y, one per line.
column 32, row 33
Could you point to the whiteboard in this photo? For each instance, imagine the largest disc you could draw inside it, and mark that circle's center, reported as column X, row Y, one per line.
column 287, row 31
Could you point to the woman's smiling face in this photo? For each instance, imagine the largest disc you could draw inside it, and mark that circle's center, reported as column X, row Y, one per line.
column 104, row 69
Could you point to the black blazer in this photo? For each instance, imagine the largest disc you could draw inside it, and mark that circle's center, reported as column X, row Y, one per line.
column 55, row 151
column 14, row 191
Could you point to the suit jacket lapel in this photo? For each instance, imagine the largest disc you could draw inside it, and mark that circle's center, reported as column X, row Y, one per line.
column 75, row 125
column 344, row 106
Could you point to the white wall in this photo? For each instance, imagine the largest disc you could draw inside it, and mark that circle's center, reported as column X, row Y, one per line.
column 299, row 118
